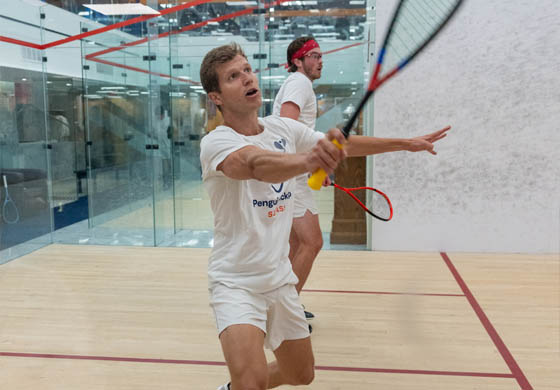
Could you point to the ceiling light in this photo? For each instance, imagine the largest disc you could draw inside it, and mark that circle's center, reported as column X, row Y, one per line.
column 122, row 9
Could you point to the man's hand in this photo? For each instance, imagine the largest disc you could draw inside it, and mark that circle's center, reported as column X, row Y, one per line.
column 325, row 154
column 426, row 142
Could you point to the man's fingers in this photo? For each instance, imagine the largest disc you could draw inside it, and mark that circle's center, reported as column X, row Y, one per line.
column 437, row 138
column 336, row 134
column 327, row 155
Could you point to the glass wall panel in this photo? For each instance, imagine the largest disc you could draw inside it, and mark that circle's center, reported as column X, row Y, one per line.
column 25, row 214
column 161, row 128
column 193, row 215
column 65, row 118
column 120, row 143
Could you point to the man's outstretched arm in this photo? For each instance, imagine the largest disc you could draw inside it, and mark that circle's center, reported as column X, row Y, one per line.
column 363, row 146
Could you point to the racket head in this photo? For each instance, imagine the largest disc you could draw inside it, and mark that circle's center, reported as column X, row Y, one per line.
column 10, row 213
column 413, row 26
column 380, row 206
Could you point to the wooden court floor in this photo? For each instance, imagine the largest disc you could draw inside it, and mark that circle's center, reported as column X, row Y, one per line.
column 123, row 318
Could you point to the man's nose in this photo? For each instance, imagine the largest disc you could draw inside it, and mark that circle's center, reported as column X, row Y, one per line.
column 247, row 79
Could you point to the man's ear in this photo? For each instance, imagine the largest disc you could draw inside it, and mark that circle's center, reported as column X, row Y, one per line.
column 298, row 63
column 215, row 97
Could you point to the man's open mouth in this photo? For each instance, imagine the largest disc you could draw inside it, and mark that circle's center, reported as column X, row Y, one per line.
column 251, row 92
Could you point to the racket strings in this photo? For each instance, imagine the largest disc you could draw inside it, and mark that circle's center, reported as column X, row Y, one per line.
column 379, row 205
column 416, row 22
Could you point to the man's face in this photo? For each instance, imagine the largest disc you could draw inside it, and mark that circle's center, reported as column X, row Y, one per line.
column 312, row 64
column 239, row 88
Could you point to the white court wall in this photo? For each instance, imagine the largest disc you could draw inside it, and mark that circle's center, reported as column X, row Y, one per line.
column 494, row 75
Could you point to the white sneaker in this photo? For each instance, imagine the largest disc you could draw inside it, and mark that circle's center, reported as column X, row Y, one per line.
column 224, row 387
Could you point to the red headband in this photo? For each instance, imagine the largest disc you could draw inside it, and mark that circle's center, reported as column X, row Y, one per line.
column 306, row 48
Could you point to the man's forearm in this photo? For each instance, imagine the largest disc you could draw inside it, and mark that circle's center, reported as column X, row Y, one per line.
column 276, row 167
column 364, row 146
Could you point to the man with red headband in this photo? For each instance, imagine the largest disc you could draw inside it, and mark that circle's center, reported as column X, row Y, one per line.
column 296, row 100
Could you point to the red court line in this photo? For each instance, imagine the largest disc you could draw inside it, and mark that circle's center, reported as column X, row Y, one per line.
column 111, row 358
column 19, row 42
column 383, row 293
column 215, row 363
column 506, row 355
column 343, row 48
column 143, row 70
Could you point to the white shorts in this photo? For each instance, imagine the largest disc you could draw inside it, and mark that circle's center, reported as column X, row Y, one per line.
column 303, row 199
column 278, row 313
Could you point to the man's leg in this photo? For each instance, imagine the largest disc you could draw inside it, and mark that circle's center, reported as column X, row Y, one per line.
column 294, row 364
column 306, row 231
column 243, row 350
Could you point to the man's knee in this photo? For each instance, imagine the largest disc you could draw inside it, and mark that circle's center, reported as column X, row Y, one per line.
column 312, row 240
column 304, row 376
column 313, row 243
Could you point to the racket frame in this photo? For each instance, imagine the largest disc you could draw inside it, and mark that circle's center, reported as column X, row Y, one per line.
column 7, row 201
column 362, row 205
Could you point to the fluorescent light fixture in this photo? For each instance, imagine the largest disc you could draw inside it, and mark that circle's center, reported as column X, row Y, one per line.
column 357, row 2
column 300, row 3
column 250, row 3
column 113, row 88
column 273, row 77
column 122, row 9
column 196, row 87
column 83, row 13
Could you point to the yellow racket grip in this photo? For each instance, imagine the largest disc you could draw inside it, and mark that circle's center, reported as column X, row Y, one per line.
column 315, row 181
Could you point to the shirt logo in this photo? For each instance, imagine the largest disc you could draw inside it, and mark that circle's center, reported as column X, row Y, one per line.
column 279, row 189
column 280, row 144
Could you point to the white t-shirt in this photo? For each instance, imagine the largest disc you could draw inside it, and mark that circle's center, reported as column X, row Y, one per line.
column 298, row 89
column 252, row 219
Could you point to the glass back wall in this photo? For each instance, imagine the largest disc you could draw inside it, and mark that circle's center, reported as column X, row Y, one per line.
column 123, row 111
